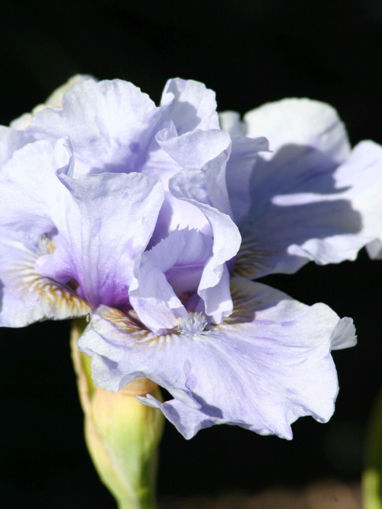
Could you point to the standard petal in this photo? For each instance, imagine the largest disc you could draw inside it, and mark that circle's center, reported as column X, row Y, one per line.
column 190, row 105
column 301, row 122
column 193, row 150
column 203, row 157
column 106, row 228
column 10, row 141
column 53, row 101
column 56, row 97
column 230, row 121
column 32, row 195
column 109, row 124
column 182, row 256
column 153, row 298
column 168, row 275
column 258, row 370
column 241, row 164
column 214, row 283
column 193, row 187
column 239, row 173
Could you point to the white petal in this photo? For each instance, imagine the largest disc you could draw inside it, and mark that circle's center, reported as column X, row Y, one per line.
column 303, row 122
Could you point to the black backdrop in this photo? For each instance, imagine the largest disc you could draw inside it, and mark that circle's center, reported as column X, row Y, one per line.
column 250, row 52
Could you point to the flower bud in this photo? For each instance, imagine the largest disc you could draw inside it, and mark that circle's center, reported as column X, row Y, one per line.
column 121, row 433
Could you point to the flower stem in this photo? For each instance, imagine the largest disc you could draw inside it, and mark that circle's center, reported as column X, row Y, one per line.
column 372, row 477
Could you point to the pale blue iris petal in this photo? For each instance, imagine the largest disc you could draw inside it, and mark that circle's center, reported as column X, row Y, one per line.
column 112, row 125
column 214, row 284
column 240, row 173
column 168, row 277
column 192, row 186
column 307, row 196
column 107, row 122
column 10, row 141
column 303, row 122
column 33, row 198
column 258, row 370
column 203, row 157
column 25, row 295
column 361, row 175
column 182, row 256
column 191, row 105
column 231, row 122
column 34, row 202
column 107, row 228
column 153, row 298
column 193, row 150
column 307, row 208
column 226, row 242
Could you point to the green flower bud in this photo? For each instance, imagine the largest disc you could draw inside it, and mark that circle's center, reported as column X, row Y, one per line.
column 121, row 433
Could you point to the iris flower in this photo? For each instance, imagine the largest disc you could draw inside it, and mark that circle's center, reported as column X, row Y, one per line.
column 152, row 220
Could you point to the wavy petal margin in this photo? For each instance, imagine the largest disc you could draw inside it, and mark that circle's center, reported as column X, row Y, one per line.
column 259, row 369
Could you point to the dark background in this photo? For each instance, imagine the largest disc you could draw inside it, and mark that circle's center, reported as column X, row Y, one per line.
column 250, row 52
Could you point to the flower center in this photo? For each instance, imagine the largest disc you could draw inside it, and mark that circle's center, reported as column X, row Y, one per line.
column 194, row 325
column 46, row 245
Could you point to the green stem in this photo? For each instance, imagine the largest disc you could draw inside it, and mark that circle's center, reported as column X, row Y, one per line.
column 372, row 477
